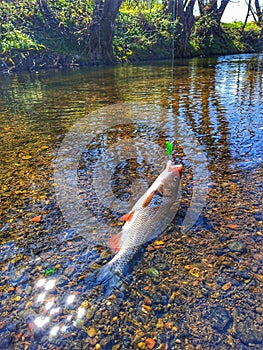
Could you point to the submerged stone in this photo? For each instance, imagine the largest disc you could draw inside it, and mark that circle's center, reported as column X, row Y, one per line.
column 153, row 272
column 220, row 319
column 247, row 332
column 237, row 247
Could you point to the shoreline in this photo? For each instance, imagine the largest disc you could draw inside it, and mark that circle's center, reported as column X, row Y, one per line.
column 33, row 60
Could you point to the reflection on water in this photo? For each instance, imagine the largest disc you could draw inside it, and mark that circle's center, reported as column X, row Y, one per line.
column 199, row 289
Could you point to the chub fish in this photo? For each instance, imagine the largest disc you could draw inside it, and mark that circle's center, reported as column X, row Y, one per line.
column 146, row 220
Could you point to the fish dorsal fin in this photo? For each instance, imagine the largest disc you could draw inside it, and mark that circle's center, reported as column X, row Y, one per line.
column 114, row 242
column 148, row 199
column 127, row 217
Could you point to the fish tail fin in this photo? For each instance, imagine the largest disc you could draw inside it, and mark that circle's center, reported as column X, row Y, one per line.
column 107, row 276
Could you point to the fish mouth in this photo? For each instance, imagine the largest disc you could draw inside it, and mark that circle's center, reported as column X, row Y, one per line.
column 180, row 170
column 177, row 169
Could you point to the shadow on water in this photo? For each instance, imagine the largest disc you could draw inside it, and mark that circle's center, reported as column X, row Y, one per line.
column 189, row 289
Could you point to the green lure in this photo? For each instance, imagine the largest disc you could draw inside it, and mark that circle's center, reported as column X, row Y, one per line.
column 169, row 148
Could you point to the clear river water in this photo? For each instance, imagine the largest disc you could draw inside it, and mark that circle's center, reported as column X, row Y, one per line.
column 78, row 148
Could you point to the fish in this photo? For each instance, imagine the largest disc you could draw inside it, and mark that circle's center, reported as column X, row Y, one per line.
column 149, row 216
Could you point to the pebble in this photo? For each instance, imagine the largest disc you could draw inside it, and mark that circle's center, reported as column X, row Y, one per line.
column 226, row 286
column 237, row 247
column 115, row 347
column 69, row 271
column 19, row 277
column 247, row 332
column 189, row 347
column 215, row 295
column 141, row 345
column 259, row 310
column 147, row 301
column 5, row 340
column 153, row 272
column 160, row 323
column 146, row 308
column 28, row 290
column 220, row 318
column 159, row 243
column 91, row 332
column 194, row 272
column 163, row 346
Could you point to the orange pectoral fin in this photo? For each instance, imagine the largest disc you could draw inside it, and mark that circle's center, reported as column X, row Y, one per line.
column 114, row 242
column 148, row 199
column 127, row 217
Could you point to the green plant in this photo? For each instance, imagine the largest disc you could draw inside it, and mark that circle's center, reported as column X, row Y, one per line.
column 141, row 34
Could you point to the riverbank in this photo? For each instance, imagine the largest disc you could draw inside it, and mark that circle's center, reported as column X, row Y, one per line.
column 15, row 60
column 33, row 37
column 35, row 60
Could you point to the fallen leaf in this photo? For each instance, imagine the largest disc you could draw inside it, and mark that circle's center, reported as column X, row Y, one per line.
column 26, row 157
column 232, row 226
column 226, row 286
column 159, row 242
column 150, row 342
column 36, row 219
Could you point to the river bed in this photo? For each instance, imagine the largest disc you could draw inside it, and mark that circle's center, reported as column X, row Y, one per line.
column 78, row 148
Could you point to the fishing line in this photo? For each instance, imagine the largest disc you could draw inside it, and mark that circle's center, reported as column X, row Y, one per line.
column 173, row 35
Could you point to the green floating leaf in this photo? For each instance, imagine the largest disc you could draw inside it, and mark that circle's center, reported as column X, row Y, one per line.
column 169, row 148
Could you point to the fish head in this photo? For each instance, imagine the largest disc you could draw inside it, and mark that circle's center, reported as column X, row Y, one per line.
column 171, row 179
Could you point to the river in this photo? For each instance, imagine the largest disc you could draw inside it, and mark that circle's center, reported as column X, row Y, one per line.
column 78, row 148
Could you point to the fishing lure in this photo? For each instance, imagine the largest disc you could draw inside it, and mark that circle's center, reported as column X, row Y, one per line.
column 169, row 148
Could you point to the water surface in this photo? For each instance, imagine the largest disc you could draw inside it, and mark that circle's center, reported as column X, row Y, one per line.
column 199, row 288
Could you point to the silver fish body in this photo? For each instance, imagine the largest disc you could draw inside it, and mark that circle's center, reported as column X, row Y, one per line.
column 147, row 219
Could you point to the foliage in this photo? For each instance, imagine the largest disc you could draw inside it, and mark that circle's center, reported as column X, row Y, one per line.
column 245, row 39
column 15, row 26
column 74, row 14
column 15, row 39
column 142, row 33
column 202, row 35
column 23, row 26
column 209, row 38
column 143, row 30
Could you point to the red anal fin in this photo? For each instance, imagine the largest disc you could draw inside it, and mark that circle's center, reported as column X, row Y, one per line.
column 148, row 199
column 114, row 242
column 127, row 217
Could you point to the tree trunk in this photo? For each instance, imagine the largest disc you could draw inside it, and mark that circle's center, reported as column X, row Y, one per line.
column 52, row 23
column 98, row 44
column 221, row 10
column 248, row 11
column 184, row 27
column 211, row 9
column 259, row 13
